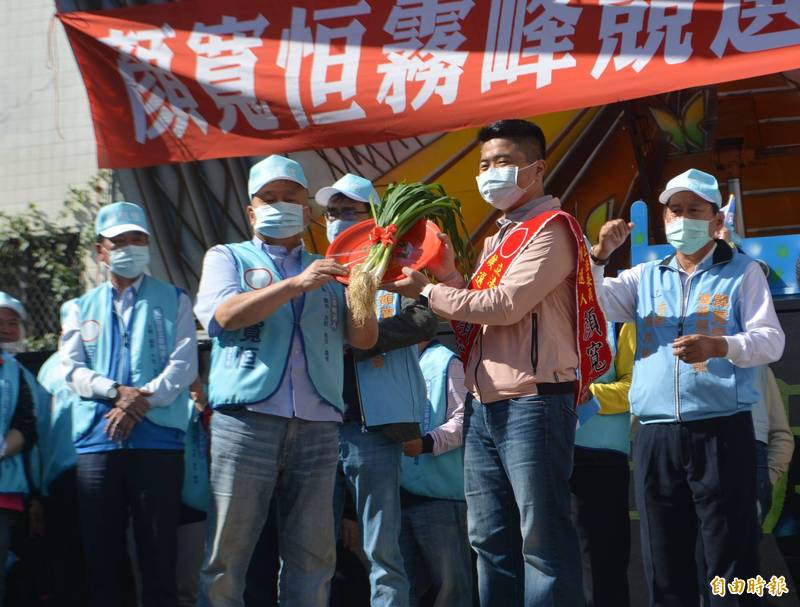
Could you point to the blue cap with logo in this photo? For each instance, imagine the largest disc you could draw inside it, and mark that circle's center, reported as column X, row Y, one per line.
column 273, row 168
column 352, row 186
column 120, row 217
column 12, row 303
column 696, row 181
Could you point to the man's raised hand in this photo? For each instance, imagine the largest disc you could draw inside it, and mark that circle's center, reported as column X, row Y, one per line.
column 612, row 235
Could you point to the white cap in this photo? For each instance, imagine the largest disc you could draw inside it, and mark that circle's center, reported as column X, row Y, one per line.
column 352, row 186
column 695, row 181
column 120, row 217
column 274, row 168
column 12, row 303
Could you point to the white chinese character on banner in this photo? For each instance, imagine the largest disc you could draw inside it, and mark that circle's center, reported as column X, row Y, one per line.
column 298, row 42
column 160, row 102
column 544, row 25
column 426, row 36
column 226, row 69
column 760, row 33
column 624, row 20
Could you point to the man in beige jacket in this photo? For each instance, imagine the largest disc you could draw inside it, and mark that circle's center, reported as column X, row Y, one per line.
column 519, row 425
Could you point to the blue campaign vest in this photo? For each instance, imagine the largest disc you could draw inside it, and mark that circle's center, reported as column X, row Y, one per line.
column 196, row 491
column 393, row 391
column 12, row 469
column 55, row 440
column 606, row 431
column 152, row 339
column 247, row 365
column 664, row 388
column 438, row 476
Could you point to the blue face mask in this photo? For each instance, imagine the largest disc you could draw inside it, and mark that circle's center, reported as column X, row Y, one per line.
column 337, row 226
column 129, row 261
column 688, row 235
column 279, row 219
column 498, row 186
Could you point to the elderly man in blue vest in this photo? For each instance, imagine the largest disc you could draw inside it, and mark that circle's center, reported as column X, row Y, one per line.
column 279, row 322
column 434, row 538
column 129, row 351
column 705, row 322
column 384, row 395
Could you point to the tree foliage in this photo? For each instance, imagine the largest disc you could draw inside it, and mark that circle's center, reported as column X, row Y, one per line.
column 43, row 260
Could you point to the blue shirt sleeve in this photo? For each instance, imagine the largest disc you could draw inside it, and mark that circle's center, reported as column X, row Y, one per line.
column 218, row 282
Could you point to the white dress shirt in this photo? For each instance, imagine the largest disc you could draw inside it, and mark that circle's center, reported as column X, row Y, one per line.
column 760, row 343
column 179, row 373
column 296, row 396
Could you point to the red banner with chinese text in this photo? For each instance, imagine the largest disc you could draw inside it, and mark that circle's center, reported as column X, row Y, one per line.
column 201, row 79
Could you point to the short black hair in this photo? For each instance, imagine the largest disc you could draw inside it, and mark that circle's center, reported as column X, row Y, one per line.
column 527, row 135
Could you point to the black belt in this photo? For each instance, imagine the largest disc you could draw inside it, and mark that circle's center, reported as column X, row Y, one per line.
column 564, row 387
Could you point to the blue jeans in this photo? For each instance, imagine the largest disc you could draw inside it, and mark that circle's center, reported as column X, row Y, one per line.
column 261, row 587
column 517, row 465
column 253, row 456
column 371, row 465
column 436, row 551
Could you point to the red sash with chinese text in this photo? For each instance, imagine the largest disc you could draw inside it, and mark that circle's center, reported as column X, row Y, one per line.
column 593, row 350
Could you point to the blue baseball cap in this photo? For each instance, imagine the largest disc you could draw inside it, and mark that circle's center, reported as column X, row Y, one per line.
column 352, row 186
column 273, row 168
column 696, row 181
column 12, row 303
column 120, row 217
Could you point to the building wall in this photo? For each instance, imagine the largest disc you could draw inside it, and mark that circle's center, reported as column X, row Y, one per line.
column 47, row 141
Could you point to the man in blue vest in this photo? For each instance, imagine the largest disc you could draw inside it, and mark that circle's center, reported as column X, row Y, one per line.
column 384, row 394
column 129, row 351
column 279, row 322
column 705, row 322
column 434, row 539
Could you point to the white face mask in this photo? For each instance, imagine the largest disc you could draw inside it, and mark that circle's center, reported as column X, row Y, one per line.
column 688, row 235
column 129, row 261
column 335, row 227
column 279, row 219
column 15, row 347
column 498, row 186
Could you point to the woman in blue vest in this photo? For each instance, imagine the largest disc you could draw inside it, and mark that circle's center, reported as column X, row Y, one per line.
column 279, row 322
column 129, row 351
column 434, row 539
column 18, row 390
column 59, row 486
column 384, row 396
column 600, row 480
column 705, row 322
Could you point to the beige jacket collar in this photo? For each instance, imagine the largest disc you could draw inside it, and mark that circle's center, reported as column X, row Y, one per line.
column 532, row 208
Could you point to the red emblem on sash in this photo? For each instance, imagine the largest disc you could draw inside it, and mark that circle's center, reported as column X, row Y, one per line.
column 590, row 325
